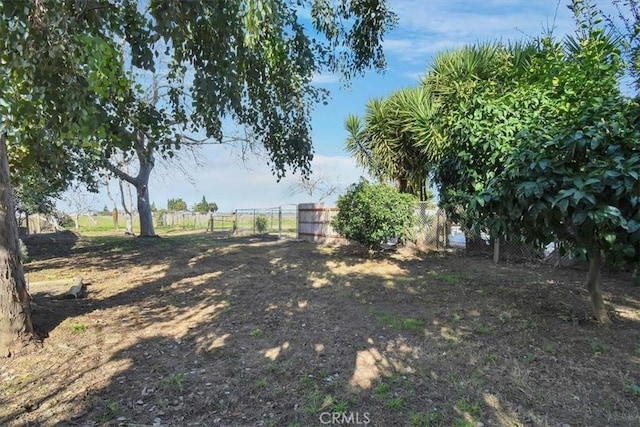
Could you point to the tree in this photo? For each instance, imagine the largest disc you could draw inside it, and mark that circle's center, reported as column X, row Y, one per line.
column 384, row 143
column 174, row 205
column 81, row 202
column 479, row 117
column 67, row 103
column 33, row 196
column 540, row 145
column 15, row 312
column 316, row 184
column 253, row 61
column 44, row 131
column 374, row 213
column 629, row 15
column 205, row 207
column 576, row 176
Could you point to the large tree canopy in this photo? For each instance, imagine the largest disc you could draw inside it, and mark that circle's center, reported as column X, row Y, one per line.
column 75, row 89
column 531, row 141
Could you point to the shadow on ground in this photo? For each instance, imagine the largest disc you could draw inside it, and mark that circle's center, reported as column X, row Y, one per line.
column 193, row 330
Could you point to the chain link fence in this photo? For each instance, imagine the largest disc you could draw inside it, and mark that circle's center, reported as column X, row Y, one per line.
column 433, row 229
column 281, row 220
column 502, row 249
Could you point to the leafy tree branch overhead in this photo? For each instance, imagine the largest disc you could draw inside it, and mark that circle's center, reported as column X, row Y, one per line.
column 69, row 98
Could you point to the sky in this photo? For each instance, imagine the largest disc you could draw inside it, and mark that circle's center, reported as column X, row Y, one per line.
column 425, row 28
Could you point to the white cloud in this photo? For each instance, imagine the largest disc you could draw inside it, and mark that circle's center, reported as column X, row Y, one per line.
column 325, row 79
column 429, row 27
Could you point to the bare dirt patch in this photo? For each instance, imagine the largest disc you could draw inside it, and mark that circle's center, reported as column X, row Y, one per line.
column 198, row 330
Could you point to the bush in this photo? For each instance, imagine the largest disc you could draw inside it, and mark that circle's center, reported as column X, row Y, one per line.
column 261, row 224
column 374, row 213
column 64, row 220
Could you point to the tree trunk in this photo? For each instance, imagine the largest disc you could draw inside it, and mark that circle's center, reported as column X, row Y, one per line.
column 141, row 182
column 76, row 219
column 16, row 326
column 144, row 205
column 127, row 210
column 593, row 286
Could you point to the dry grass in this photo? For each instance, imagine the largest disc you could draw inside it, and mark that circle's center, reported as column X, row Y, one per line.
column 194, row 330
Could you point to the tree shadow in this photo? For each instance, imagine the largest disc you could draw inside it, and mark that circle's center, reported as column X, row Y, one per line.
column 257, row 331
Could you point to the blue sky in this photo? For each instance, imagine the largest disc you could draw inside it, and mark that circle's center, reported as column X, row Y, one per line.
column 425, row 28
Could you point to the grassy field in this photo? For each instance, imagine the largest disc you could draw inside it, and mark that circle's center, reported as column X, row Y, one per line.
column 207, row 330
column 103, row 224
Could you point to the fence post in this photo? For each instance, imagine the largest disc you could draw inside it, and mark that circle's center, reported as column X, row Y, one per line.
column 437, row 230
column 496, row 250
column 279, row 222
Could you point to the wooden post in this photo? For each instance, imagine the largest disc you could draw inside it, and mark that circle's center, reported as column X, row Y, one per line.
column 496, row 250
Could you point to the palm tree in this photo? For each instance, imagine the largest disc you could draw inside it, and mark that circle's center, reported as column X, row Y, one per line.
column 384, row 144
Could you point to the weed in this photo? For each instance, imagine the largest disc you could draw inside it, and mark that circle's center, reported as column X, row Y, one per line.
column 395, row 403
column 424, row 419
column 637, row 349
column 458, row 317
column 607, row 404
column 339, row 406
column 463, row 422
column 162, row 403
column 322, row 374
column 317, row 402
column 530, row 325
column 472, row 409
column 176, row 380
column 257, row 333
column 597, row 346
column 450, row 278
column 549, row 348
column 382, row 389
column 294, row 424
column 482, row 329
column 307, row 380
column 262, row 383
column 634, row 389
column 492, row 357
column 529, row 357
column 113, row 410
column 78, row 328
column 399, row 323
column 314, row 402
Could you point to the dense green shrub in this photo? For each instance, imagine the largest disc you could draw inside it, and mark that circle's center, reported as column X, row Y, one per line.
column 374, row 213
column 261, row 224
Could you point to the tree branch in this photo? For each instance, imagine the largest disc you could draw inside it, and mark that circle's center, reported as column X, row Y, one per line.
column 122, row 175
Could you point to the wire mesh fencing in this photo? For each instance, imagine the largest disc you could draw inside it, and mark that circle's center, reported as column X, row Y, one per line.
column 432, row 228
column 510, row 249
column 281, row 220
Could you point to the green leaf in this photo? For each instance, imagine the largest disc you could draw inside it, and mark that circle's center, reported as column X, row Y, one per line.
column 563, row 205
column 579, row 217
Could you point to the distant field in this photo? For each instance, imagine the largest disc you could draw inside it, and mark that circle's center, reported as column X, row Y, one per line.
column 103, row 224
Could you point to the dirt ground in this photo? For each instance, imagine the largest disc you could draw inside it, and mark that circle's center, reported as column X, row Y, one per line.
column 200, row 330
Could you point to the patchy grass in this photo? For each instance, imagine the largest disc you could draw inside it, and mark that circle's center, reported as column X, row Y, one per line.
column 395, row 322
column 196, row 329
column 78, row 328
